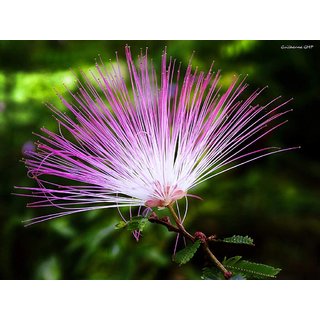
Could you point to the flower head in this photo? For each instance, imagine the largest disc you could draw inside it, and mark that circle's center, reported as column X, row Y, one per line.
column 147, row 144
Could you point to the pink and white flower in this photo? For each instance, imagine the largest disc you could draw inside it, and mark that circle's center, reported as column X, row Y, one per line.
column 149, row 144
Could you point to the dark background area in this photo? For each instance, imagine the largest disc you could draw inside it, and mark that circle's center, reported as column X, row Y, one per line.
column 275, row 200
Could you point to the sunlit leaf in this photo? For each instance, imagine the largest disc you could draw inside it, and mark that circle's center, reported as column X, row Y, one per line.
column 120, row 225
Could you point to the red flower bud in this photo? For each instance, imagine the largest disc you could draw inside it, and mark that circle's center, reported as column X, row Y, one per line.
column 201, row 236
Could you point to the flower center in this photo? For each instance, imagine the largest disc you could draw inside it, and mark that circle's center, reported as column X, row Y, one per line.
column 168, row 196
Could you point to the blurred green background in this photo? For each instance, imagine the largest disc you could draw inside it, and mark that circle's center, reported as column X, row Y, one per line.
column 275, row 200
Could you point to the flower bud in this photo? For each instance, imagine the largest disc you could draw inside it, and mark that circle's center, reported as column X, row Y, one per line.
column 201, row 236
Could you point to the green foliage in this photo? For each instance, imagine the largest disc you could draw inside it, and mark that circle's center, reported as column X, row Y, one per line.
column 136, row 223
column 250, row 270
column 186, row 254
column 239, row 240
column 211, row 274
column 120, row 225
column 49, row 269
column 241, row 269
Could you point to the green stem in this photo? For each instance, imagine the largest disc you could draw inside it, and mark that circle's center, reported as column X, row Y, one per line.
column 227, row 274
column 179, row 224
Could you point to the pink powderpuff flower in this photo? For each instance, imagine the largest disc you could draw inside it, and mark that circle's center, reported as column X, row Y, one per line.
column 147, row 145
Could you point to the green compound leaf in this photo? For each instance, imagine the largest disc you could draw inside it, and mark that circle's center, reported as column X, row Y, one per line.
column 239, row 240
column 250, row 270
column 186, row 254
column 136, row 223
